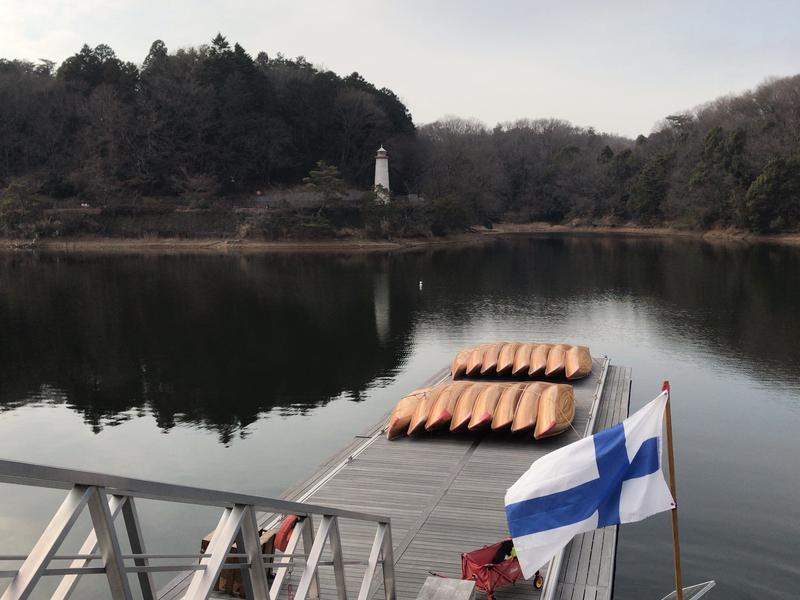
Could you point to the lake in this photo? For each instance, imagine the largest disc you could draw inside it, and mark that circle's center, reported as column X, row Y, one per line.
column 244, row 372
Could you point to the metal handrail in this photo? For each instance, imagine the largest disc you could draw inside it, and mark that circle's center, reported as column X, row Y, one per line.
column 22, row 473
column 108, row 496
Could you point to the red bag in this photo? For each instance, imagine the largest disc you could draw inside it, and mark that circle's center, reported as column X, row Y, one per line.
column 490, row 572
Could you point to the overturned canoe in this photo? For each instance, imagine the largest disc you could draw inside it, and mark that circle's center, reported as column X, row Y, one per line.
column 475, row 360
column 402, row 413
column 485, row 404
column 459, row 367
column 556, row 359
column 507, row 406
column 505, row 360
column 578, row 363
column 556, row 410
column 539, row 359
column 522, row 359
column 462, row 414
column 490, row 359
column 528, row 360
column 423, row 409
column 548, row 408
column 528, row 407
column 442, row 410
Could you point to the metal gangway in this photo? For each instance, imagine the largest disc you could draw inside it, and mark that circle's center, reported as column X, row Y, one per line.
column 108, row 496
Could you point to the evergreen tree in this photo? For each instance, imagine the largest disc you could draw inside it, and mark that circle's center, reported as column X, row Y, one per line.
column 649, row 190
column 772, row 202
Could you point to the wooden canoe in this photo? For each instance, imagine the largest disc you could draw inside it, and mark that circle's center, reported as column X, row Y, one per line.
column 490, row 358
column 528, row 406
column 466, row 402
column 459, row 367
column 556, row 410
column 578, row 362
column 556, row 359
column 475, row 360
column 402, row 413
column 522, row 359
column 485, row 404
column 442, row 410
column 547, row 408
column 505, row 360
column 539, row 359
column 420, row 416
column 507, row 406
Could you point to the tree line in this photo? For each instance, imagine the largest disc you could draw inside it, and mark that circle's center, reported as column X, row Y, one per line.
column 734, row 162
column 213, row 122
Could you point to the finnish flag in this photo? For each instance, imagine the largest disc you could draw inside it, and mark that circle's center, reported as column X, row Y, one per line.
column 609, row 478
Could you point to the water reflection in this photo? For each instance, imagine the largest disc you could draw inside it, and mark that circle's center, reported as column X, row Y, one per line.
column 737, row 301
column 211, row 341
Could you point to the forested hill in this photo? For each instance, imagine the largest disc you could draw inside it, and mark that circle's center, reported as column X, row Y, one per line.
column 208, row 116
column 214, row 124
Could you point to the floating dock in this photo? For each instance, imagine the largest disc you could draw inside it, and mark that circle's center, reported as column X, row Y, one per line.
column 444, row 495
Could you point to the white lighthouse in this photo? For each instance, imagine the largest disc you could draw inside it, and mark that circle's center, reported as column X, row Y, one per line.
column 382, row 175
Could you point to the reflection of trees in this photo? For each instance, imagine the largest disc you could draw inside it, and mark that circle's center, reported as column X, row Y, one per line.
column 738, row 300
column 210, row 340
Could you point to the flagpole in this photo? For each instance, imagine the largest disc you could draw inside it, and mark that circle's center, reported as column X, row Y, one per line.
column 676, row 545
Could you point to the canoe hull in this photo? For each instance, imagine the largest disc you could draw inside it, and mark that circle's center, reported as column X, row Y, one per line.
column 400, row 418
column 489, row 364
column 463, row 410
column 539, row 360
column 442, row 410
column 556, row 411
column 522, row 359
column 505, row 360
column 459, row 367
column 546, row 408
column 556, row 359
column 420, row 416
column 507, row 406
column 528, row 407
column 485, row 405
column 578, row 362
column 475, row 360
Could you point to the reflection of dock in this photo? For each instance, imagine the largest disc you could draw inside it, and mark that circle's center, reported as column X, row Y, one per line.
column 444, row 495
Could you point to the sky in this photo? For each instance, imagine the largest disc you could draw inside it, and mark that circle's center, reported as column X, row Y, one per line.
column 615, row 65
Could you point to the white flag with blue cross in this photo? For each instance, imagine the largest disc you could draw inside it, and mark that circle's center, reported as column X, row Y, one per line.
column 611, row 477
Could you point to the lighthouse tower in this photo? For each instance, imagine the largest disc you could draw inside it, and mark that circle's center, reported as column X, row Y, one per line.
column 382, row 175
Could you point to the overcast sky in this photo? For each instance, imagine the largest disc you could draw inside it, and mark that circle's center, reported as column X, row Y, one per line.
column 618, row 66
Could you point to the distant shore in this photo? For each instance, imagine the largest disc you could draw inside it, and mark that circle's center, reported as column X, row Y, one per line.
column 91, row 244
column 714, row 235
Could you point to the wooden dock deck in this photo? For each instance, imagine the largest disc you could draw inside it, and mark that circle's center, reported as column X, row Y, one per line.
column 444, row 495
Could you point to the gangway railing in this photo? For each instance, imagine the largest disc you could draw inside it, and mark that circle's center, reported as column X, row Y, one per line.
column 108, row 496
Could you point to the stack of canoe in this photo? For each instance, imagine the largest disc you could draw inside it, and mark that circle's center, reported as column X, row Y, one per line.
column 545, row 408
column 523, row 359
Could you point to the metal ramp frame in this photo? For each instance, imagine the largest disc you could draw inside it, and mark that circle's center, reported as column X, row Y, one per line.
column 108, row 496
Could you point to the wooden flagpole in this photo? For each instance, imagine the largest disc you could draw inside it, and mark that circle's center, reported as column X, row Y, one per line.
column 676, row 545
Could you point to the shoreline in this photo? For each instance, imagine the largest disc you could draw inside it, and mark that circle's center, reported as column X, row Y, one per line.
column 479, row 235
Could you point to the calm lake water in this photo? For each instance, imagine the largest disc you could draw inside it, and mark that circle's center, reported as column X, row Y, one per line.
column 245, row 372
